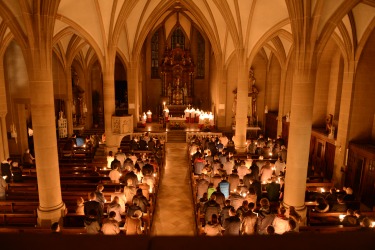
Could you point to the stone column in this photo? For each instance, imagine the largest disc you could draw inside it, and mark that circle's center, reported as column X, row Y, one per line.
column 220, row 97
column 299, row 132
column 51, row 206
column 69, row 100
column 133, row 91
column 4, row 149
column 109, row 107
column 281, row 102
column 344, row 118
column 241, row 108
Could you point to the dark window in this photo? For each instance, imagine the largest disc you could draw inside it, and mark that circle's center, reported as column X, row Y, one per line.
column 200, row 56
column 155, row 55
column 178, row 38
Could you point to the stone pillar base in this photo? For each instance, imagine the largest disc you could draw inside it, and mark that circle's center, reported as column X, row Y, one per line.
column 52, row 215
column 241, row 149
column 301, row 210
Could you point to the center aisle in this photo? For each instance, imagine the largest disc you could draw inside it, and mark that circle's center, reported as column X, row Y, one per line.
column 174, row 211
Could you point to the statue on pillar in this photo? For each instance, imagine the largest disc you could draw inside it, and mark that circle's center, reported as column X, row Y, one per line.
column 78, row 93
column 253, row 94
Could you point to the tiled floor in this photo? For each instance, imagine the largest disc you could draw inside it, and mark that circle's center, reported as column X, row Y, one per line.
column 174, row 211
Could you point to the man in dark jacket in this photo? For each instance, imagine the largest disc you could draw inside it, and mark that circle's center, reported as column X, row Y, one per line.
column 92, row 204
column 232, row 224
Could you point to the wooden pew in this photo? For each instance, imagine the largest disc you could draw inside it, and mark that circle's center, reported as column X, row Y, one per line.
column 331, row 218
column 19, row 219
column 19, row 230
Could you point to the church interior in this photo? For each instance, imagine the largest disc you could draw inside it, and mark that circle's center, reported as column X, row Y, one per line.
column 111, row 72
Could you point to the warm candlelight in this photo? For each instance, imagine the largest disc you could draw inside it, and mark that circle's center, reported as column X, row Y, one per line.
column 341, row 217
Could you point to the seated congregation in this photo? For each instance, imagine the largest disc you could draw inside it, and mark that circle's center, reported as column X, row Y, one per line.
column 243, row 194
column 110, row 195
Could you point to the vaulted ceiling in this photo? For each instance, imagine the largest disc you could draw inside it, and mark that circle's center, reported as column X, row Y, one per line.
column 94, row 28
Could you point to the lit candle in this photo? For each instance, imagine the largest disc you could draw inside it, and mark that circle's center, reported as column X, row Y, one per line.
column 341, row 217
column 322, row 190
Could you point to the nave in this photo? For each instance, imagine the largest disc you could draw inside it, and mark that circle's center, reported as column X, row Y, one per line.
column 174, row 211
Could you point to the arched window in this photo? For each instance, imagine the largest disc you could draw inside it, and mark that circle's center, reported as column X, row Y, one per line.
column 178, row 38
column 155, row 55
column 200, row 56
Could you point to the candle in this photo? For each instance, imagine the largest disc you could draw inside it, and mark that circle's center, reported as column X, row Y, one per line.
column 341, row 217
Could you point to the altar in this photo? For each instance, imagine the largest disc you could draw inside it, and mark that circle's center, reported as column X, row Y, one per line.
column 177, row 75
column 176, row 122
column 176, row 110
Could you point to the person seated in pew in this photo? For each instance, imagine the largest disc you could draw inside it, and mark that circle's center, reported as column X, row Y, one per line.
column 27, row 159
column 129, row 191
column 273, row 190
column 210, row 190
column 210, row 207
column 133, row 208
column 142, row 200
column 213, row 227
column 115, row 206
column 110, row 159
column 115, row 175
column 292, row 227
column 55, row 228
column 110, row 225
column 122, row 199
column 3, row 188
column 99, row 195
column 233, row 180
column 133, row 224
column 220, row 198
column 266, row 172
column 293, row 215
column 249, row 221
column 128, row 164
column 201, row 186
column 121, row 157
column 5, row 170
column 331, row 198
column 251, row 196
column 359, row 216
column 366, row 225
column 322, row 206
column 265, row 217
column 232, row 224
column 16, row 172
column 138, row 172
column 350, row 220
column 224, row 186
column 349, row 196
column 132, row 176
column 93, row 204
column 243, row 209
column 236, row 199
column 80, row 206
column 115, row 162
column 281, row 222
column 340, row 206
column 92, row 223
